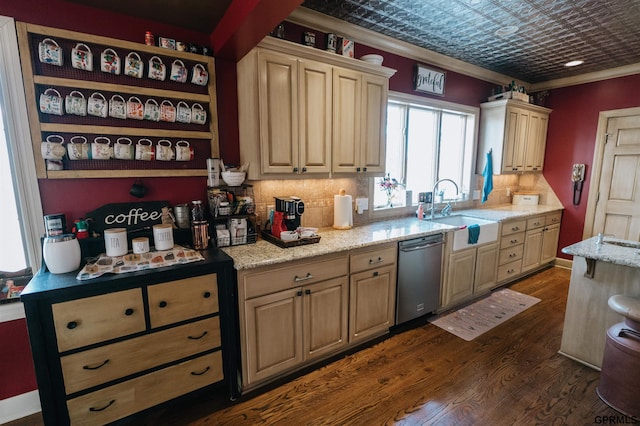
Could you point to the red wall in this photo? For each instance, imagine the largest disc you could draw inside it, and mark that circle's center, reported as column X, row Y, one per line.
column 571, row 139
column 17, row 375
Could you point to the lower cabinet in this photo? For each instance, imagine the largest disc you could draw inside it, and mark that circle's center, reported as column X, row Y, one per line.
column 541, row 241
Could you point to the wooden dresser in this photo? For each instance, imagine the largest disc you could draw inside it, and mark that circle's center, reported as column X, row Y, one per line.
column 107, row 348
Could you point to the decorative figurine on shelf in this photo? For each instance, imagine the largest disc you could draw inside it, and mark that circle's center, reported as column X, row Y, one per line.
column 389, row 185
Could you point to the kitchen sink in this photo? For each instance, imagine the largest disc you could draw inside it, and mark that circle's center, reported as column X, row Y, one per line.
column 488, row 230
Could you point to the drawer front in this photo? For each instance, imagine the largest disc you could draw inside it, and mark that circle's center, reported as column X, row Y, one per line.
column 126, row 398
column 381, row 256
column 512, row 240
column 535, row 222
column 95, row 319
column 283, row 278
column 509, row 228
column 101, row 365
column 510, row 254
column 181, row 300
column 552, row 219
column 509, row 270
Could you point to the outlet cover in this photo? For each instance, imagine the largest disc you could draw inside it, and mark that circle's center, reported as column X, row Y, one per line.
column 476, row 194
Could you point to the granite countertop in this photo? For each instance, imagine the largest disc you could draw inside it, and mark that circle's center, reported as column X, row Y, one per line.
column 618, row 252
column 264, row 253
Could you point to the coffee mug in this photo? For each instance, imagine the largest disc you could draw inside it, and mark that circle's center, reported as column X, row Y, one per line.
column 183, row 112
column 151, row 110
column 101, row 148
column 183, row 151
column 199, row 76
column 110, row 62
column 178, row 71
column 79, row 150
column 97, row 105
column 135, row 109
column 145, row 150
column 75, row 103
column 138, row 190
column 81, row 57
column 123, row 149
column 53, row 150
column 157, row 70
column 133, row 66
column 167, row 112
column 164, row 151
column 50, row 52
column 117, row 107
column 51, row 102
column 198, row 114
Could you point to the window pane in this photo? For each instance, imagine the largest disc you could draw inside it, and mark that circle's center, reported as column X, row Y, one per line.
column 452, row 162
column 421, row 149
column 395, row 150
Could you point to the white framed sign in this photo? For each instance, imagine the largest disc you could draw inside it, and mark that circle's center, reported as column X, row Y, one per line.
column 429, row 80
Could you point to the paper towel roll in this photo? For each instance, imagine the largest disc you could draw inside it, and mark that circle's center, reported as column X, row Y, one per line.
column 342, row 212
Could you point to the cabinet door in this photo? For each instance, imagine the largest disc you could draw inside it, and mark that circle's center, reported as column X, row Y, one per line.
column 460, row 277
column 371, row 302
column 278, row 110
column 315, row 109
column 486, row 268
column 274, row 334
column 347, row 113
column 515, row 139
column 532, row 247
column 374, row 108
column 536, row 142
column 325, row 317
column 550, row 237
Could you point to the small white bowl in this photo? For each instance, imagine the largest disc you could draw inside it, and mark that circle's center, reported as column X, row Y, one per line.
column 288, row 235
column 233, row 178
column 373, row 59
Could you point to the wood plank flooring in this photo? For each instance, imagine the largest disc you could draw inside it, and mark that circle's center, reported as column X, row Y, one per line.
column 511, row 375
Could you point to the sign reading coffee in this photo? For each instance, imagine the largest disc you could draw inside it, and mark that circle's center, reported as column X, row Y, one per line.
column 132, row 216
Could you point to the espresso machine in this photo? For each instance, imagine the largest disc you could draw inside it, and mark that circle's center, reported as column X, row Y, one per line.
column 292, row 209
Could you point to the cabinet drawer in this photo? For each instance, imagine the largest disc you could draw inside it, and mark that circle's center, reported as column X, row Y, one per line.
column 509, row 228
column 101, row 365
column 272, row 280
column 512, row 240
column 510, row 254
column 379, row 256
column 182, row 300
column 123, row 399
column 509, row 270
column 535, row 222
column 95, row 319
column 552, row 219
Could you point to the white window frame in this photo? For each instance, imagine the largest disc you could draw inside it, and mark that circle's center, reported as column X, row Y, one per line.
column 432, row 103
column 18, row 137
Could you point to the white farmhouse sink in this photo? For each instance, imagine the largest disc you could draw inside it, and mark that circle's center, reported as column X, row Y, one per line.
column 488, row 230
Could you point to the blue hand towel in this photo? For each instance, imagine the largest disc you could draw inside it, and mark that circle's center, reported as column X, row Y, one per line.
column 474, row 233
column 487, row 173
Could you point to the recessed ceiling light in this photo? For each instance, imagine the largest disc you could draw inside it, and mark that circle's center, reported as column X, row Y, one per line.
column 508, row 30
column 573, row 63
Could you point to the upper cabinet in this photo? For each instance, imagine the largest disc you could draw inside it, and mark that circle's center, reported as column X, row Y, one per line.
column 516, row 132
column 307, row 112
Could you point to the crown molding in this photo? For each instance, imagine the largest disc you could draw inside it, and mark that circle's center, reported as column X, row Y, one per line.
column 312, row 19
column 587, row 78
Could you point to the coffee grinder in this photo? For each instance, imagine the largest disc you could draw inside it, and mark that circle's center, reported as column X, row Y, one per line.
column 292, row 209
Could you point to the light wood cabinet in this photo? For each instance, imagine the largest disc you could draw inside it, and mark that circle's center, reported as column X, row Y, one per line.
column 303, row 111
column 516, row 131
column 486, row 268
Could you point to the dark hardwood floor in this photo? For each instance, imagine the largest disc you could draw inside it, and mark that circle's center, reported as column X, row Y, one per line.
column 511, row 375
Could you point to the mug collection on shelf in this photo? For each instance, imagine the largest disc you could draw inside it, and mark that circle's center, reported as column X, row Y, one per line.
column 54, row 148
column 50, row 52
column 75, row 103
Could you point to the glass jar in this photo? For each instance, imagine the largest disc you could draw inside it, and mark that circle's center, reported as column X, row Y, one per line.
column 197, row 211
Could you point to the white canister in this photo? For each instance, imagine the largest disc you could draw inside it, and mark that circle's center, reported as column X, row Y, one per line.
column 115, row 241
column 140, row 245
column 163, row 236
column 61, row 253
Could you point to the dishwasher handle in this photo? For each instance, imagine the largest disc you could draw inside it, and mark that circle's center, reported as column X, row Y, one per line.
column 422, row 247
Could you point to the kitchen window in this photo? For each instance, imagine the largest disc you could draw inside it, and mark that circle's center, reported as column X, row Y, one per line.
column 427, row 140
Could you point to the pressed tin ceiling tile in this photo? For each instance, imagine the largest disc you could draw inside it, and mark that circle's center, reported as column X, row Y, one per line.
column 603, row 33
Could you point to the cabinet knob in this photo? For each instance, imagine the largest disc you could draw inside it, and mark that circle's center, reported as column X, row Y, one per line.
column 71, row 325
column 299, row 293
column 376, row 273
column 364, row 169
column 307, row 291
column 295, row 170
column 304, row 170
column 207, row 294
column 128, row 312
column 162, row 304
column 358, row 169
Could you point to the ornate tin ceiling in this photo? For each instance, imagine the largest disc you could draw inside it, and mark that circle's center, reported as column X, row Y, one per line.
column 603, row 33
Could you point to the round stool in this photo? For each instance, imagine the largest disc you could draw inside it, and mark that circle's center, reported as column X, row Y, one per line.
column 620, row 372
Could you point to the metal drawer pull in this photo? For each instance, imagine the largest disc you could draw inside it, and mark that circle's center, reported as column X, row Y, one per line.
column 371, row 261
column 513, row 255
column 514, row 241
column 162, row 304
column 515, row 228
column 71, row 325
column 105, row 362
column 204, row 333
column 103, row 408
column 193, row 373
column 128, row 312
column 297, row 279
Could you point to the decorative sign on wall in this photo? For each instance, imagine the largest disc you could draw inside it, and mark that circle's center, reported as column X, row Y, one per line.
column 132, row 216
column 429, row 81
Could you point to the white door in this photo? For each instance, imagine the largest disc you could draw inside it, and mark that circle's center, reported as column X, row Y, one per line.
column 617, row 201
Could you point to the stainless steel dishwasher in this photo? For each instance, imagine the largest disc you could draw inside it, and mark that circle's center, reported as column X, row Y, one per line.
column 419, row 272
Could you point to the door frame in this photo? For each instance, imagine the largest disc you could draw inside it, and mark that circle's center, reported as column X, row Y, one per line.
column 596, row 164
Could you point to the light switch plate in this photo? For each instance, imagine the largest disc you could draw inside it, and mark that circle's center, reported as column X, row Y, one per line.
column 476, row 194
column 362, row 204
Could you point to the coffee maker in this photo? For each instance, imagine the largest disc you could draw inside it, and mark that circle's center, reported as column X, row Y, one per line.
column 292, row 209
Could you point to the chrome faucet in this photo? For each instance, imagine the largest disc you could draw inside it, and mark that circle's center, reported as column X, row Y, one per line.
column 447, row 209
